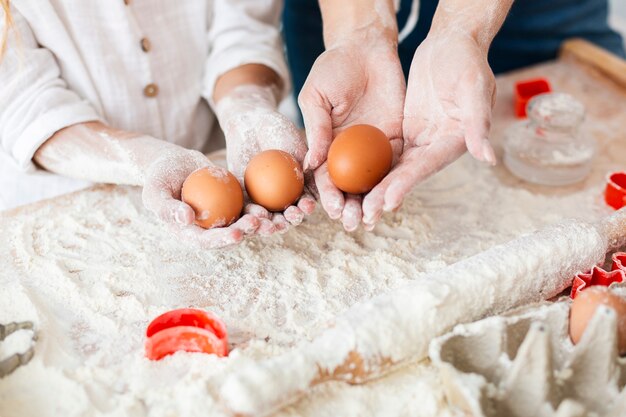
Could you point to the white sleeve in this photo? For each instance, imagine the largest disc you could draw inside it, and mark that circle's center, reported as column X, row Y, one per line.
column 34, row 101
column 244, row 32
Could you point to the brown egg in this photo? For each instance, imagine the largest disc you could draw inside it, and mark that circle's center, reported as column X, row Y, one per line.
column 359, row 158
column 584, row 306
column 274, row 180
column 215, row 195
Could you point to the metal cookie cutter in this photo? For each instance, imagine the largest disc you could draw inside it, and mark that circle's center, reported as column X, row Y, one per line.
column 10, row 364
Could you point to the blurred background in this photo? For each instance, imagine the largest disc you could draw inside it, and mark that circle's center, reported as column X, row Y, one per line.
column 618, row 16
column 12, row 181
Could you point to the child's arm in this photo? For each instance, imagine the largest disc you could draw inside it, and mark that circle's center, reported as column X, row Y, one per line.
column 246, row 77
column 248, row 74
column 245, row 32
column 95, row 152
column 34, row 100
column 43, row 122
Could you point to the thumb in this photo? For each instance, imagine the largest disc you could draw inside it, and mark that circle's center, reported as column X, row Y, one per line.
column 161, row 202
column 318, row 125
column 476, row 119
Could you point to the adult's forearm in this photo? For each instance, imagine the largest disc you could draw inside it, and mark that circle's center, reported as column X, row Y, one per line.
column 361, row 19
column 94, row 152
column 481, row 19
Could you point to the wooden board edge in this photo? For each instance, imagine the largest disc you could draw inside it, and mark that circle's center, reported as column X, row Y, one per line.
column 608, row 64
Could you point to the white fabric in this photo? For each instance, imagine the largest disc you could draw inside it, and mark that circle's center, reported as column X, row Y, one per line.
column 411, row 21
column 73, row 61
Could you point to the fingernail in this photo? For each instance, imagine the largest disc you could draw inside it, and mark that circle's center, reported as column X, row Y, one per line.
column 305, row 163
column 369, row 219
column 179, row 216
column 391, row 207
column 488, row 154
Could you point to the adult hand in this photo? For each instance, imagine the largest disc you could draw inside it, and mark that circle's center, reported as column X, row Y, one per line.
column 359, row 81
column 450, row 95
column 251, row 123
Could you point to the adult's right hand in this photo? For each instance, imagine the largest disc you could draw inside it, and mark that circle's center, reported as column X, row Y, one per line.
column 355, row 81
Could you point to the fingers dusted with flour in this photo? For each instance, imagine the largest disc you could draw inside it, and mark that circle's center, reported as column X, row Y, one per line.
column 316, row 112
column 332, row 199
column 220, row 237
column 448, row 107
column 357, row 80
column 264, row 148
column 99, row 153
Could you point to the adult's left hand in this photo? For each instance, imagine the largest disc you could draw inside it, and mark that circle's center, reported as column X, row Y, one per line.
column 450, row 96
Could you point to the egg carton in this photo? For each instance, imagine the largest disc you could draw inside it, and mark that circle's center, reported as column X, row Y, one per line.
column 523, row 364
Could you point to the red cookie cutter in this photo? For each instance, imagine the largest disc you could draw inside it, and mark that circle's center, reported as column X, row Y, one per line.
column 619, row 261
column 615, row 193
column 599, row 276
column 188, row 330
column 527, row 89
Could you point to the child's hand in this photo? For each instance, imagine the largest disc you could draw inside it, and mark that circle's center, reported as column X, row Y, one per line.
column 161, row 195
column 251, row 125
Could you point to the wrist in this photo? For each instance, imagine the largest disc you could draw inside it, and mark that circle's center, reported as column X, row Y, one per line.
column 479, row 21
column 245, row 99
column 247, row 75
column 358, row 21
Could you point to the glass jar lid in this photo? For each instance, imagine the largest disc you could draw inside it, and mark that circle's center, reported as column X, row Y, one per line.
column 556, row 110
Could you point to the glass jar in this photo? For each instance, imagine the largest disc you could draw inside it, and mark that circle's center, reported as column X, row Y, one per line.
column 548, row 148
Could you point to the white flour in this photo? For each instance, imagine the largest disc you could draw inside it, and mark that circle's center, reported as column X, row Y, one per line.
column 93, row 269
column 92, row 272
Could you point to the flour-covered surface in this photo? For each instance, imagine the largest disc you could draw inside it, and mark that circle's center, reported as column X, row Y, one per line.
column 93, row 268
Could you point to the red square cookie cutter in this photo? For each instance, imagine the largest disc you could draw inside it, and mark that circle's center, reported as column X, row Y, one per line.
column 599, row 276
column 188, row 330
column 615, row 193
column 527, row 89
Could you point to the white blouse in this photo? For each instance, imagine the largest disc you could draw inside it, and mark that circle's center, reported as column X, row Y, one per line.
column 141, row 65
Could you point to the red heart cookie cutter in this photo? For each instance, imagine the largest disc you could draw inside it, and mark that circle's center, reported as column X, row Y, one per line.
column 188, row 330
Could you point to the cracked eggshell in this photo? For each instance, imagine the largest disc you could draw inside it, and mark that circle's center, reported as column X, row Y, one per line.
column 274, row 180
column 215, row 196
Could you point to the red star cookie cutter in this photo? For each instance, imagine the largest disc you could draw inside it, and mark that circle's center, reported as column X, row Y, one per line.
column 599, row 276
column 188, row 330
column 615, row 193
column 619, row 261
